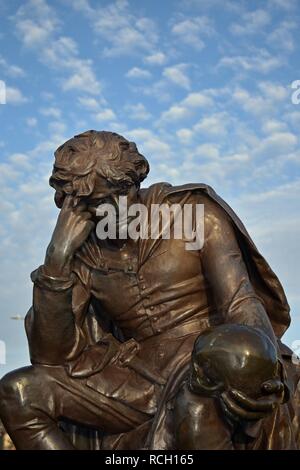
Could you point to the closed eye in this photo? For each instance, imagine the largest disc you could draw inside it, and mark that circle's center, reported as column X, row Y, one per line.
column 97, row 202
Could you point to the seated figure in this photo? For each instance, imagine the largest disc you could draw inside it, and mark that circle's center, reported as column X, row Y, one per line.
column 116, row 323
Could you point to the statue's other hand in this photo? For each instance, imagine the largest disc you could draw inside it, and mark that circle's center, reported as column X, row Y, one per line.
column 73, row 226
column 238, row 365
column 238, row 406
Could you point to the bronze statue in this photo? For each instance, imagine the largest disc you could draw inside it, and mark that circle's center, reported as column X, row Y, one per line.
column 140, row 343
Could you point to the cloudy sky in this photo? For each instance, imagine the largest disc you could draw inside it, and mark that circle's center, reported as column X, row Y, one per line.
column 202, row 86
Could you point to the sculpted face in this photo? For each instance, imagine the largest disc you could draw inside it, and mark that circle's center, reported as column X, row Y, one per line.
column 106, row 193
column 98, row 167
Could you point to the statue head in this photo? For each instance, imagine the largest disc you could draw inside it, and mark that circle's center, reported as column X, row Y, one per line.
column 97, row 162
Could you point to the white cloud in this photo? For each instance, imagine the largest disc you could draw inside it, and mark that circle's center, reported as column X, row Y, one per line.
column 35, row 22
column 175, row 113
column 20, row 160
column 137, row 111
column 207, row 150
column 264, row 103
column 274, row 91
column 185, row 135
column 137, row 72
column 260, row 61
column 89, row 103
column 197, row 100
column 51, row 112
column 8, row 172
column 31, row 122
column 282, row 37
column 106, row 114
column 59, row 51
column 125, row 32
column 177, row 74
column 278, row 143
column 215, row 124
column 271, row 216
column 254, row 104
column 190, row 31
column 149, row 144
column 293, row 118
column 284, row 4
column 231, row 5
column 272, row 125
column 187, row 107
column 37, row 26
column 83, row 78
column 57, row 127
column 10, row 69
column 15, row 96
column 157, row 58
column 63, row 54
column 251, row 22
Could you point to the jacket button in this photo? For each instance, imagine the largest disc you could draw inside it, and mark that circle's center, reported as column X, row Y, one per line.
column 155, row 318
column 141, row 278
column 151, row 307
column 143, row 287
column 130, row 268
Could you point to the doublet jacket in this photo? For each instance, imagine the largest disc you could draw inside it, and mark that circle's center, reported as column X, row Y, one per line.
column 140, row 313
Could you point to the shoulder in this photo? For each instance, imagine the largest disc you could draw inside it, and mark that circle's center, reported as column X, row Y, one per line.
column 215, row 215
column 200, row 193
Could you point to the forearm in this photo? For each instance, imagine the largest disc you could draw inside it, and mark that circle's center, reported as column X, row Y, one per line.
column 232, row 292
column 53, row 334
column 249, row 310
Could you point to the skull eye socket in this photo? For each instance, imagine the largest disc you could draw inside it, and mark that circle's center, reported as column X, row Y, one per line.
column 205, row 374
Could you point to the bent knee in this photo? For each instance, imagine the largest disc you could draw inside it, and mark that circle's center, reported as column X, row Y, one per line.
column 13, row 386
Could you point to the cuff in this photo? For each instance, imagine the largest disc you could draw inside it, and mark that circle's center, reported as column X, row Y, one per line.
column 56, row 284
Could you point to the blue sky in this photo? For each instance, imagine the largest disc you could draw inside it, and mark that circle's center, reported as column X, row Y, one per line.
column 202, row 86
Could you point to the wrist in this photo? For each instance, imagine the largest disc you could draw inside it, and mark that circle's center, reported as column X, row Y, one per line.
column 58, row 261
column 41, row 278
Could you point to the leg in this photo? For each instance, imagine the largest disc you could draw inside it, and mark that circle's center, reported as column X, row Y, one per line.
column 32, row 399
column 198, row 423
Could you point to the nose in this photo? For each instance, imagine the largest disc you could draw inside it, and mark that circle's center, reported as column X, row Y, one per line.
column 59, row 197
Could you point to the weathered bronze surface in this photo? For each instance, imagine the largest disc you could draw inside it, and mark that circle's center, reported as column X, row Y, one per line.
column 141, row 344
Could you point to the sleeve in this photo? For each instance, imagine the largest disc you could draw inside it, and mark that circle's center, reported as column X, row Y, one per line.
column 54, row 322
column 225, row 270
column 62, row 329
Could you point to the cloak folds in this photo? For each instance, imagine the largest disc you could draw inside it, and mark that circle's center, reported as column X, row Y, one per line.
column 264, row 281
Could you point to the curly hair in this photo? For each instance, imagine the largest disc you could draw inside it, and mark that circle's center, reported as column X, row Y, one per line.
column 79, row 160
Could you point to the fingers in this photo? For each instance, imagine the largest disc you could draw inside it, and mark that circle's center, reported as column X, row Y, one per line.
column 90, row 225
column 239, row 405
column 235, row 411
column 68, row 202
column 85, row 215
column 80, row 207
column 266, row 404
